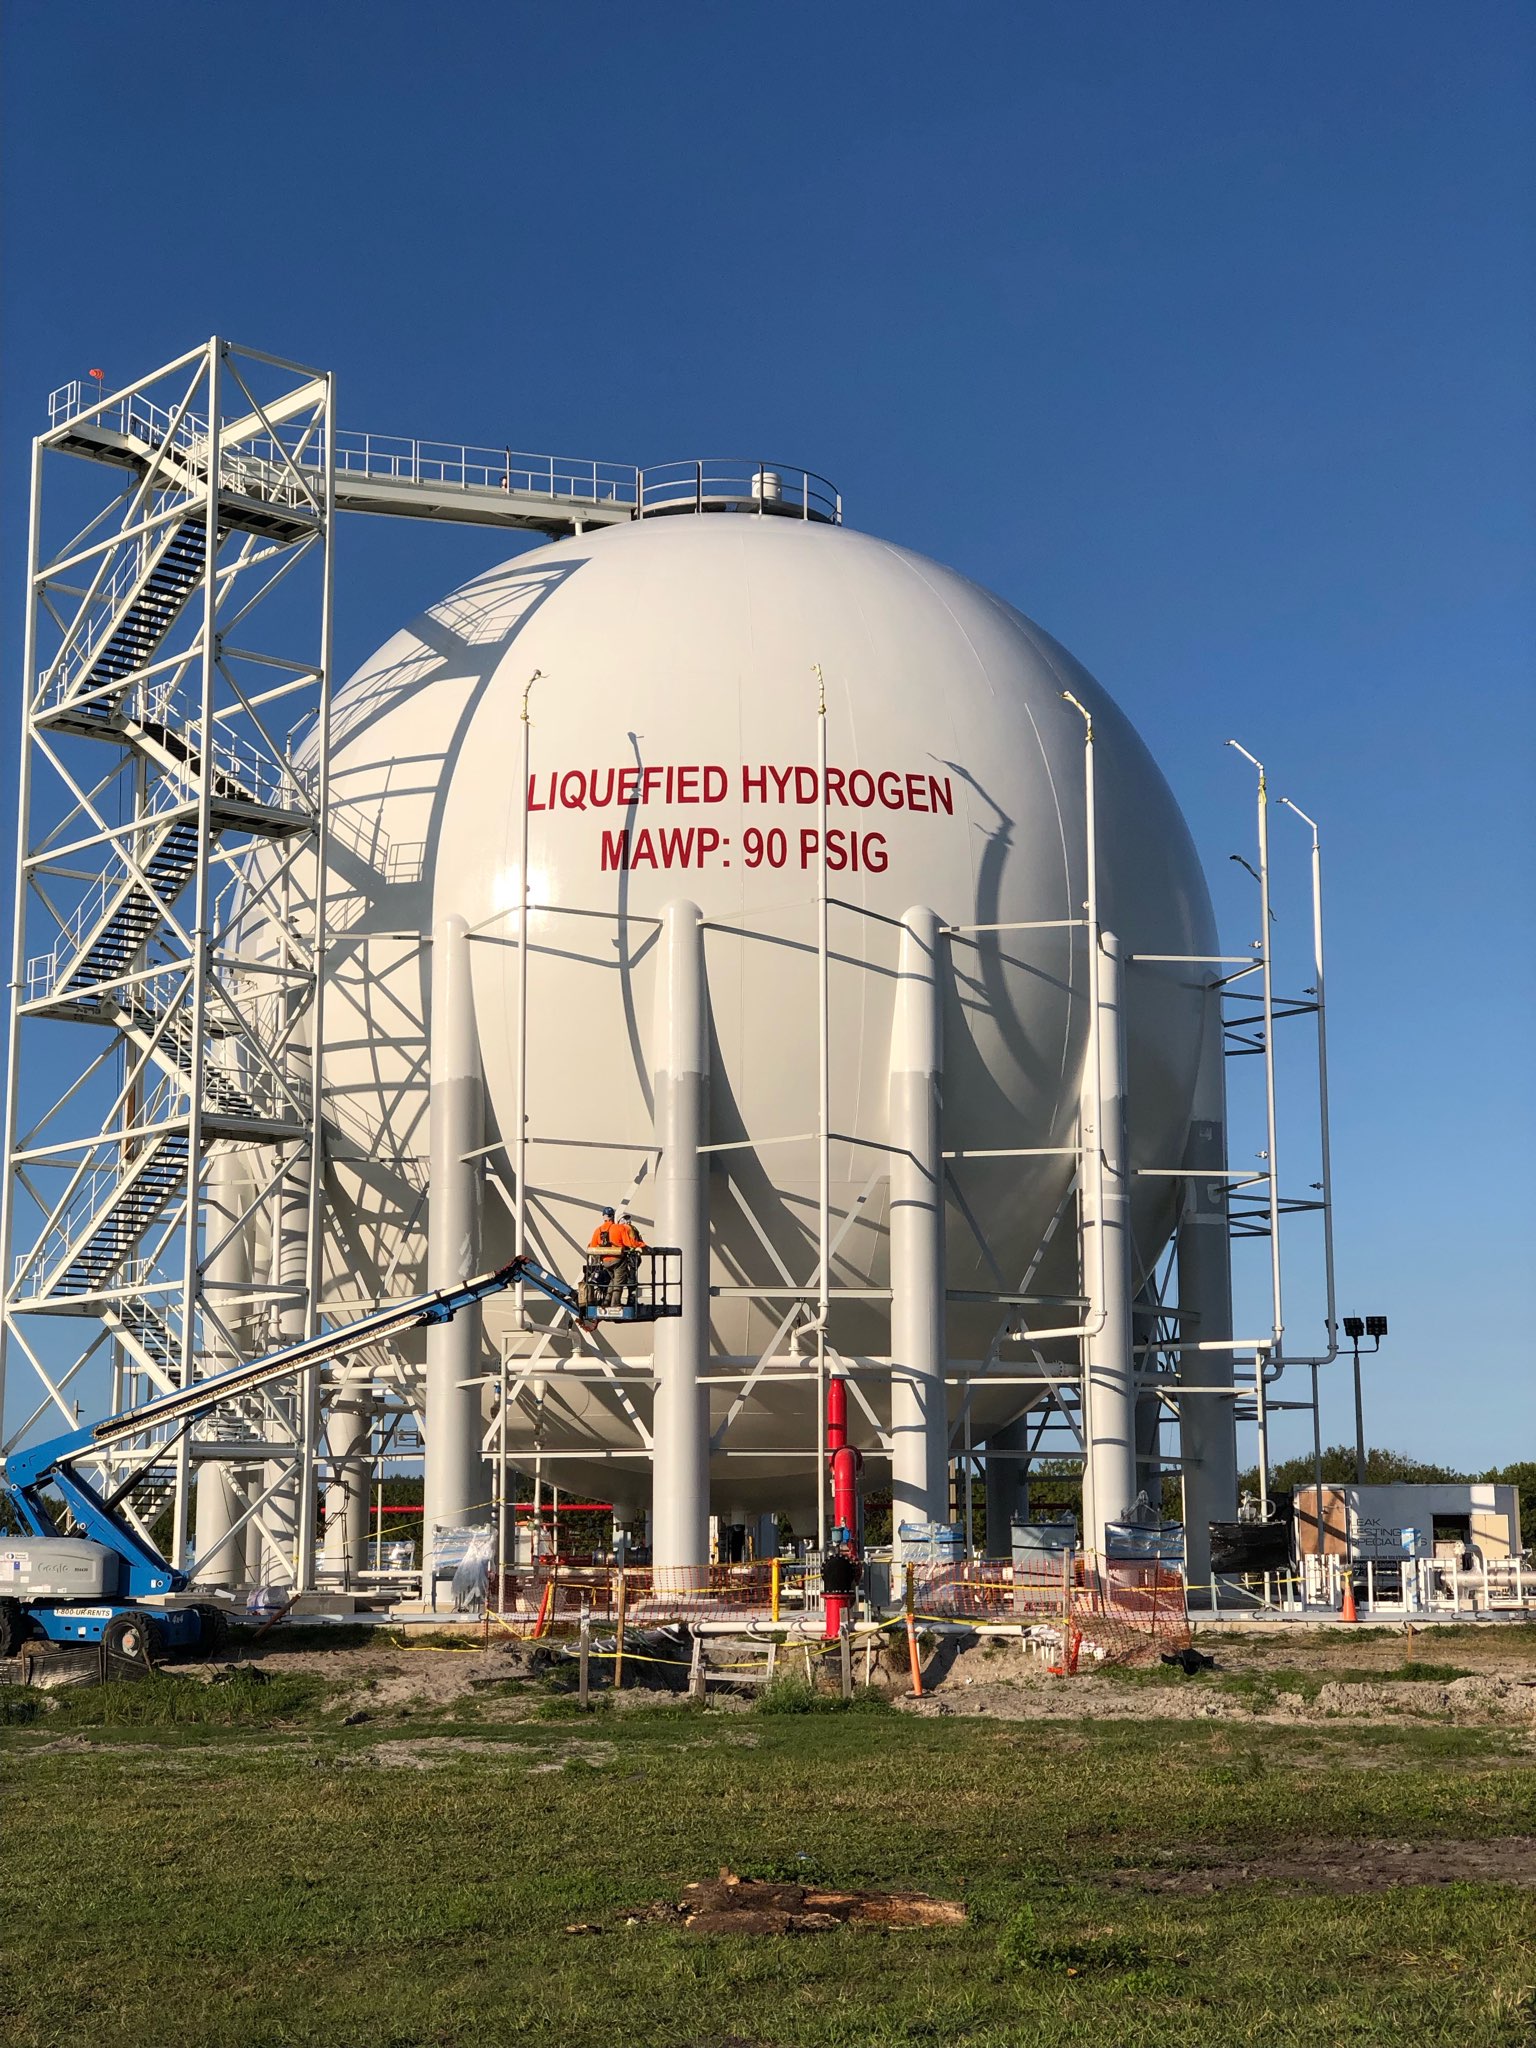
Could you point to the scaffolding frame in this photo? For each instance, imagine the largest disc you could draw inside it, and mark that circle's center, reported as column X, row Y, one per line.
column 177, row 634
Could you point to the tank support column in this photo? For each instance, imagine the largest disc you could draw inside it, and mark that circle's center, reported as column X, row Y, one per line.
column 220, row 1558
column 346, row 1493
column 680, row 1455
column 919, row 1409
column 276, row 1524
column 1007, row 1460
column 1207, row 1421
column 1109, row 1389
column 455, row 1489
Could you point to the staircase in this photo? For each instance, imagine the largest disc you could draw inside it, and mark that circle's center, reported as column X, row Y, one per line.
column 96, row 1245
column 157, row 1347
column 169, row 743
column 223, row 1092
column 139, row 627
column 148, row 1335
column 117, row 934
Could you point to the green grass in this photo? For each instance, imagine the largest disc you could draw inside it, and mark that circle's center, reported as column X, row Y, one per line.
column 246, row 1699
column 1410, row 1673
column 294, row 1885
column 1261, row 1688
column 789, row 1693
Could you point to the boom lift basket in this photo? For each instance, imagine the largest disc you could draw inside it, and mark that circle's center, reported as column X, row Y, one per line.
column 639, row 1286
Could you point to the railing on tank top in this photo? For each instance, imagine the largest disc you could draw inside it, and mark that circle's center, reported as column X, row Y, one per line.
column 714, row 484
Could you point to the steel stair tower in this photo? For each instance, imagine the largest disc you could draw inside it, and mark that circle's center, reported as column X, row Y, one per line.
column 162, row 814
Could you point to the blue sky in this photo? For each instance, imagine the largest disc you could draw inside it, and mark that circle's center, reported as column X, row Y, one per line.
column 1203, row 333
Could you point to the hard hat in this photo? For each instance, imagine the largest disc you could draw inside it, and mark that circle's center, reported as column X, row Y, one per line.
column 609, row 1214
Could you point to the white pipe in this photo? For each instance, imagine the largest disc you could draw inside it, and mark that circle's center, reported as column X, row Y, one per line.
column 454, row 1478
column 288, row 1265
column 501, row 1491
column 1268, row 1002
column 202, row 938
column 680, row 1084
column 520, row 1100
column 1109, row 1395
column 919, row 1418
column 347, row 1431
column 1089, row 1139
column 309, row 1384
column 1325, row 1125
column 1207, row 1425
column 9, row 1181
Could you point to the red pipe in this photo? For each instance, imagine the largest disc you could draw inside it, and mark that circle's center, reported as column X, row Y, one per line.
column 844, row 1461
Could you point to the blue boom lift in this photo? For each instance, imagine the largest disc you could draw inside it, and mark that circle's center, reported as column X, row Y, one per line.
column 91, row 1588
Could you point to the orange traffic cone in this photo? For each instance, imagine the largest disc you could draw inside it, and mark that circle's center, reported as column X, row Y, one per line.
column 1347, row 1610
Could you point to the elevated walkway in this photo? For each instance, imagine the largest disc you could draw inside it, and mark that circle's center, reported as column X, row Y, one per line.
column 438, row 480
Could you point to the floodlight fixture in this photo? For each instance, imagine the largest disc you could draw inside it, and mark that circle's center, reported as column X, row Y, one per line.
column 1356, row 1327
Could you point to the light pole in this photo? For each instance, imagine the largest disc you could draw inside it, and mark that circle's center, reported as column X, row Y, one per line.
column 1356, row 1327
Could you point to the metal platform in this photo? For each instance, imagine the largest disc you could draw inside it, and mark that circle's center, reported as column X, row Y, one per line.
column 438, row 480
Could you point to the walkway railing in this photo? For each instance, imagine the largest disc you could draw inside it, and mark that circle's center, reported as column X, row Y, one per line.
column 260, row 466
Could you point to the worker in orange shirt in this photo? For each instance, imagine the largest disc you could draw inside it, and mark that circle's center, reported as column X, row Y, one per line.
column 617, row 1245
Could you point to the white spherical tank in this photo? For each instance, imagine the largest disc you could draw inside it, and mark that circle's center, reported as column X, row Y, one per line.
column 674, row 741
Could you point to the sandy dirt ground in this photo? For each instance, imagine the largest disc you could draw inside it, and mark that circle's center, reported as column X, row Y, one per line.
column 1500, row 1688
column 1342, row 1678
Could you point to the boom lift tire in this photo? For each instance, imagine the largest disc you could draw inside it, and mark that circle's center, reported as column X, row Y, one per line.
column 212, row 1627
column 13, row 1627
column 134, row 1639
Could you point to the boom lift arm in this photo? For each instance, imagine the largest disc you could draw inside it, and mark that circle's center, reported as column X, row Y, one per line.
column 146, row 1572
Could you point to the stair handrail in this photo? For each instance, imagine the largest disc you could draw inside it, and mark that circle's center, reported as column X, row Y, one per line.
column 73, row 1229
column 61, row 1233
column 262, row 777
column 80, row 646
column 44, row 969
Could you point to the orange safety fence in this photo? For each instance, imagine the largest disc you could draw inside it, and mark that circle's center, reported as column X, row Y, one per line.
column 992, row 1589
column 1125, row 1614
column 542, row 1597
column 1119, row 1613
column 1113, row 1612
